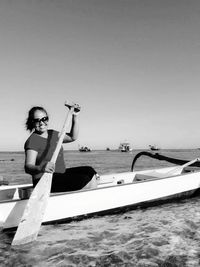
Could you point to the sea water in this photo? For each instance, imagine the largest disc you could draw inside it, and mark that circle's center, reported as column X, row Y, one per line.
column 164, row 235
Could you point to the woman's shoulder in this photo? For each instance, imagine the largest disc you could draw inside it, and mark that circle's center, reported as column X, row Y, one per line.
column 33, row 141
column 32, row 136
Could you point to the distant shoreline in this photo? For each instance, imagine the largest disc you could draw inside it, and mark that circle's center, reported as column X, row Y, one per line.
column 134, row 150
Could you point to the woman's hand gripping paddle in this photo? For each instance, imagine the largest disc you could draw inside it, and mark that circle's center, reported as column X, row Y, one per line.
column 31, row 220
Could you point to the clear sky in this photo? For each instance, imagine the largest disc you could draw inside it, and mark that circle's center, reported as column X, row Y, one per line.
column 133, row 66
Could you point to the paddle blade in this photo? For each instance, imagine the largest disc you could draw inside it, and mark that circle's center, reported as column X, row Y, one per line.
column 31, row 220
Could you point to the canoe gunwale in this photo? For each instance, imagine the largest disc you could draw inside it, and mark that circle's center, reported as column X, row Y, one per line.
column 134, row 182
column 149, row 179
column 76, row 205
column 142, row 205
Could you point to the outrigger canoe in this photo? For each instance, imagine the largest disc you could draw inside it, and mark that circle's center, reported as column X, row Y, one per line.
column 114, row 192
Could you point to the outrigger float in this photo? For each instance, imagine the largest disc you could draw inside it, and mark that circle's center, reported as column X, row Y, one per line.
column 114, row 192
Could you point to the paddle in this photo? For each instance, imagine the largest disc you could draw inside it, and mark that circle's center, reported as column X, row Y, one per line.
column 174, row 171
column 31, row 220
column 178, row 170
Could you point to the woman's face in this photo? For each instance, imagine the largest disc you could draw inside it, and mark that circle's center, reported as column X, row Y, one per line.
column 40, row 121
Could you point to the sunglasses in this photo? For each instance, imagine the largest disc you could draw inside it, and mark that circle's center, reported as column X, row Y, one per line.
column 44, row 119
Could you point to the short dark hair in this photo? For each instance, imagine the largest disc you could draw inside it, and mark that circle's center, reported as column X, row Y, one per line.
column 29, row 121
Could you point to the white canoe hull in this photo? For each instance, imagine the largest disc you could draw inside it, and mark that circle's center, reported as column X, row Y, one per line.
column 108, row 196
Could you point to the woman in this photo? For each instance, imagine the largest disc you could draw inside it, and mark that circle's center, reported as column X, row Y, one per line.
column 39, row 148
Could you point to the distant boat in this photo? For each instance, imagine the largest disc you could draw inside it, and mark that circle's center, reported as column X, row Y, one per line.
column 153, row 147
column 125, row 147
column 107, row 149
column 84, row 149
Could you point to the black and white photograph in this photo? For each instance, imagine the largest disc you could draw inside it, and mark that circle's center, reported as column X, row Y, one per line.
column 99, row 140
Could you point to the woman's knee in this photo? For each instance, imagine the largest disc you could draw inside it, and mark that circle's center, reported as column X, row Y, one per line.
column 89, row 170
column 92, row 183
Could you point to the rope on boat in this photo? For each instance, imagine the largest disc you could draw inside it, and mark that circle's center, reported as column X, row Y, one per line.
column 161, row 157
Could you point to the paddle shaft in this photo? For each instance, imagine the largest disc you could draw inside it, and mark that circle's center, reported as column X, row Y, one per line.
column 62, row 135
column 32, row 217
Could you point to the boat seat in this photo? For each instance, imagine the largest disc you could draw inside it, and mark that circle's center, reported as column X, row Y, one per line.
column 142, row 177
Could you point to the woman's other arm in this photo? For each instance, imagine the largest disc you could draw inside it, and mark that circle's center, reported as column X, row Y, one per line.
column 73, row 134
